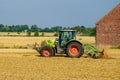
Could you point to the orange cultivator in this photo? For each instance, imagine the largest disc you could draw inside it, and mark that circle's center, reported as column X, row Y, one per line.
column 104, row 54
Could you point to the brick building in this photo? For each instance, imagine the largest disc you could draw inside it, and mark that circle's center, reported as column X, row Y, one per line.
column 108, row 28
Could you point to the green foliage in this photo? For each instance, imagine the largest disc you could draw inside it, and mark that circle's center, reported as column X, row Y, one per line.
column 56, row 28
column 13, row 28
column 92, row 31
column 34, row 28
column 24, row 27
column 52, row 29
column 46, row 29
column 81, row 30
column 36, row 33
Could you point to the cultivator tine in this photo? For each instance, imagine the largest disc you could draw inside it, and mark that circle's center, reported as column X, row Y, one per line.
column 33, row 46
column 104, row 54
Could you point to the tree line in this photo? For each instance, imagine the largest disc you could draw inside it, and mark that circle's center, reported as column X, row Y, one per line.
column 82, row 30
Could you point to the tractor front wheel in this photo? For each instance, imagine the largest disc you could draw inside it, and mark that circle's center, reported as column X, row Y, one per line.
column 47, row 51
column 74, row 50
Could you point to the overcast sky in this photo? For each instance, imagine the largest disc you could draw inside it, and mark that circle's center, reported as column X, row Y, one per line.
column 49, row 13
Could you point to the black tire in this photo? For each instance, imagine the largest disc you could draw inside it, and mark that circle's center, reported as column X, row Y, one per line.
column 74, row 50
column 47, row 51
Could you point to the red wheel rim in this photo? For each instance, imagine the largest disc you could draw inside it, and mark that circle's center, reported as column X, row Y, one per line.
column 73, row 50
column 46, row 52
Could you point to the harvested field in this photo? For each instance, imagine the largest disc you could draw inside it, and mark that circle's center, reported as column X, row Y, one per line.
column 27, row 64
column 21, row 42
column 22, row 64
column 23, row 34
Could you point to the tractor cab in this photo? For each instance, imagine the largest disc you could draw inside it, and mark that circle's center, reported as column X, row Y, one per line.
column 66, row 36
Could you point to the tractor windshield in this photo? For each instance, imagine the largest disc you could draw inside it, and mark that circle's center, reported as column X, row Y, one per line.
column 66, row 36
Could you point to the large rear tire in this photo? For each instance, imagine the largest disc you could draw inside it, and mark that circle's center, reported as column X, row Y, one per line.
column 47, row 51
column 74, row 50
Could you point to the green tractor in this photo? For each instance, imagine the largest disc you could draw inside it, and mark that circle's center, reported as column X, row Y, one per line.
column 65, row 44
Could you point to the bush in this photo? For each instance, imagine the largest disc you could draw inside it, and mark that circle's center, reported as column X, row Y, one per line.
column 42, row 34
column 36, row 33
column 18, row 33
column 115, row 47
column 8, row 33
column 28, row 33
column 56, row 34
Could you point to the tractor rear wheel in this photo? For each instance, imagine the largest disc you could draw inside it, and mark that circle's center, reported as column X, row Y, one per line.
column 74, row 50
column 47, row 51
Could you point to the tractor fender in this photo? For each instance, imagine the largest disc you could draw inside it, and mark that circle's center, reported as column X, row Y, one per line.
column 73, row 41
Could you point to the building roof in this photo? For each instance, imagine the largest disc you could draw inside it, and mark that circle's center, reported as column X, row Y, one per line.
column 114, row 14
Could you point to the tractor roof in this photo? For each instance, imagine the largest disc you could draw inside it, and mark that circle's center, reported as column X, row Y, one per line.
column 67, row 30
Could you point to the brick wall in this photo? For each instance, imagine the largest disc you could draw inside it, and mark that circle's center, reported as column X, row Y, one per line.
column 108, row 28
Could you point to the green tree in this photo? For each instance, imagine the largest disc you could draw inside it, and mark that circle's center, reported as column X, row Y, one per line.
column 56, row 28
column 93, row 31
column 90, row 31
column 79, row 29
column 1, row 27
column 5, row 29
column 24, row 27
column 34, row 28
column 46, row 30
column 12, row 28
